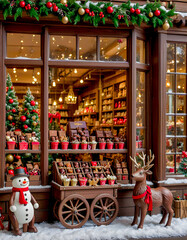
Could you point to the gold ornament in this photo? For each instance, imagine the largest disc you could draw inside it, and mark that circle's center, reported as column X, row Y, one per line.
column 34, row 118
column 164, row 4
column 34, row 124
column 10, row 158
column 65, row 20
column 10, row 117
column 63, row 1
column 81, row 11
column 151, row 14
column 166, row 25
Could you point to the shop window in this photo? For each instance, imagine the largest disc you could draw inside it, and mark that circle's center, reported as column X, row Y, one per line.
column 23, row 103
column 176, row 132
column 87, row 48
column 62, row 47
column 140, row 110
column 23, row 45
column 113, row 49
column 140, row 51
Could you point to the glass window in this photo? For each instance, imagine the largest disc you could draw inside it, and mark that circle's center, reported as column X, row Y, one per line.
column 181, row 57
column 181, row 83
column 113, row 49
column 170, row 104
column 62, row 47
column 170, row 83
column 87, row 48
column 170, row 127
column 170, row 57
column 23, row 45
column 140, row 51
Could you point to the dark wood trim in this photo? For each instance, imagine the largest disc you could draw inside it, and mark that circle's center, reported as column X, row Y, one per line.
column 44, row 108
column 23, row 28
column 22, row 151
column 11, row 62
column 88, row 151
column 2, row 105
column 142, row 67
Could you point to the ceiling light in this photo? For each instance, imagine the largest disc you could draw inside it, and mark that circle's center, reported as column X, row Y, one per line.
column 21, row 41
column 81, row 81
column 54, row 103
column 60, row 99
column 54, row 84
column 38, row 73
column 71, row 98
column 75, row 70
column 25, row 69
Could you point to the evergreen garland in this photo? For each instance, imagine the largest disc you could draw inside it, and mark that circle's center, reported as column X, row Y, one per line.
column 152, row 14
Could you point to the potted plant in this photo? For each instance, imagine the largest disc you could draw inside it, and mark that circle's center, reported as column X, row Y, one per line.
column 102, row 143
column 23, row 145
column 54, row 143
column 64, row 143
column 82, row 181
column 111, row 179
column 11, row 143
column 93, row 144
column 75, row 144
column 84, row 144
column 110, row 144
column 102, row 181
column 34, row 142
column 73, row 182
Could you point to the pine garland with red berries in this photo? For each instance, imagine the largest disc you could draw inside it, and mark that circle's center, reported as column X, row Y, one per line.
column 153, row 14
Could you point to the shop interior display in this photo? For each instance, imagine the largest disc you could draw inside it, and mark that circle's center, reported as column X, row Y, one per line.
column 160, row 196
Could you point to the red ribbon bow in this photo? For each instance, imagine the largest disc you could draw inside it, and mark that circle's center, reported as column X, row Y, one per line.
column 21, row 196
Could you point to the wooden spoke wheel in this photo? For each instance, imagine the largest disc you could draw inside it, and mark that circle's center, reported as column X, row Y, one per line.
column 104, row 209
column 73, row 211
column 55, row 209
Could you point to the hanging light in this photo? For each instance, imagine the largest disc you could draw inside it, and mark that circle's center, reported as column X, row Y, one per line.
column 54, row 103
column 54, row 84
column 60, row 99
column 71, row 98
column 75, row 71
column 81, row 81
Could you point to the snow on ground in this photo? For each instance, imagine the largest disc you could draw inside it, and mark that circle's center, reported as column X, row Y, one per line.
column 174, row 181
column 120, row 229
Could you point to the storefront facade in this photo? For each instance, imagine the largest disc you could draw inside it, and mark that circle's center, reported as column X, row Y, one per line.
column 151, row 62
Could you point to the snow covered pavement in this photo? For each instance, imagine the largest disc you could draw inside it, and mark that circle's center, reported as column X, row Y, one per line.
column 119, row 229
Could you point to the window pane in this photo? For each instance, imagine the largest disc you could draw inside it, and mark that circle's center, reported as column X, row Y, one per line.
column 170, row 128
column 170, row 104
column 140, row 138
column 140, row 99
column 63, row 47
column 140, row 51
column 170, row 145
column 181, row 125
column 87, row 48
column 170, row 164
column 181, row 57
column 113, row 49
column 170, row 57
column 180, row 104
column 23, row 45
column 170, row 83
column 178, row 161
column 181, row 143
column 181, row 83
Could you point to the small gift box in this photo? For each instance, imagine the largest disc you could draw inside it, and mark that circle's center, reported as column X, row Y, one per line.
column 83, row 181
column 64, row 145
column 102, row 181
column 23, row 145
column 35, row 145
column 54, row 145
column 11, row 145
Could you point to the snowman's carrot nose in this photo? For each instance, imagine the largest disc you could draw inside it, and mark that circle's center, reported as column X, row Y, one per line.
column 24, row 182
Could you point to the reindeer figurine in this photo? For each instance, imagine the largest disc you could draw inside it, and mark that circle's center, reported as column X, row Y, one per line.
column 145, row 198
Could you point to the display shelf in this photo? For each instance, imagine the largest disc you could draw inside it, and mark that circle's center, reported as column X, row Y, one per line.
column 64, row 109
column 120, row 109
column 101, row 151
column 119, row 126
column 119, row 98
column 105, row 98
column 120, row 116
column 106, row 125
column 107, row 111
column 22, row 151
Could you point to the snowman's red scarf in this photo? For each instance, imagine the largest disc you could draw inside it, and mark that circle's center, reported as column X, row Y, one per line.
column 148, row 198
column 21, row 196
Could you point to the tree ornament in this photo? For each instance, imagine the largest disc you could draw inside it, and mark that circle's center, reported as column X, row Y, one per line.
column 138, row 11
column 166, row 25
column 157, row 13
column 11, row 101
column 49, row 4
column 25, row 126
column 10, row 172
column 12, row 88
column 10, row 117
column 81, row 11
column 6, row 89
column 63, row 1
column 33, row 103
column 65, row 20
column 34, row 124
column 150, row 14
column 22, row 4
column 34, row 118
column 110, row 9
column 132, row 10
column 87, row 10
column 17, row 157
column 13, row 124
column 55, row 8
column 14, row 110
column 119, row 17
column 9, row 158
column 23, row 118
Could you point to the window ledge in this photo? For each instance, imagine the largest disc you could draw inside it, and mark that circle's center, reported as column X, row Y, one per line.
column 39, row 188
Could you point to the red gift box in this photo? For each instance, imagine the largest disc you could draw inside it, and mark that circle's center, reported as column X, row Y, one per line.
column 64, row 145
column 54, row 145
column 75, row 145
column 102, row 145
column 11, row 145
column 110, row 145
column 94, row 164
column 23, row 146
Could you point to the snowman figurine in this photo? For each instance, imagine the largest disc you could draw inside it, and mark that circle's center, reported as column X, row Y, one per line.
column 21, row 211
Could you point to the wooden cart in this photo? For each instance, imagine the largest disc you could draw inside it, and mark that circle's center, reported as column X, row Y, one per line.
column 74, row 205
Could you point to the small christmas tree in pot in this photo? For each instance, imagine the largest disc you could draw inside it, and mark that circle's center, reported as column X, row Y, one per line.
column 29, row 117
column 11, row 106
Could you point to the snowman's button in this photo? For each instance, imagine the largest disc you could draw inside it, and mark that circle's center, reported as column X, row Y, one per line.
column 27, row 215
column 26, row 199
column 25, row 204
column 26, row 219
column 25, row 194
column 26, row 209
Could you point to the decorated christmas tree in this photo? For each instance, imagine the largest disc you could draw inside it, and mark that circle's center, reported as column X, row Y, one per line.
column 183, row 164
column 29, row 116
column 11, row 106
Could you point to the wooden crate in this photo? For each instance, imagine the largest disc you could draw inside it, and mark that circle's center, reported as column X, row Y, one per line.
column 180, row 208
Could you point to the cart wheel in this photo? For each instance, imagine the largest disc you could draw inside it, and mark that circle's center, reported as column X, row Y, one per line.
column 104, row 209
column 55, row 209
column 73, row 211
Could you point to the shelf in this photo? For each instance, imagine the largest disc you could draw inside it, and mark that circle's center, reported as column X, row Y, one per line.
column 106, row 126
column 64, row 123
column 21, row 151
column 86, row 114
column 120, row 109
column 107, row 111
column 119, row 98
column 107, row 98
column 119, row 126
column 106, row 104
column 65, row 117
column 119, row 116
column 88, row 151
column 62, row 109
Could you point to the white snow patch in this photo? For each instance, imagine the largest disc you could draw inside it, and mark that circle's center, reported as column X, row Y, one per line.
column 120, row 229
column 174, row 181
column 30, row 187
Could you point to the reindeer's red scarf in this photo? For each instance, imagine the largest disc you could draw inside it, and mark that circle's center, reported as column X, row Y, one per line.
column 148, row 198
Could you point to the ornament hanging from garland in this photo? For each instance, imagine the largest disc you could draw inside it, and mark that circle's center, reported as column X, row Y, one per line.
column 33, row 103
column 166, row 25
column 152, row 13
column 10, row 117
column 10, row 101
column 23, row 118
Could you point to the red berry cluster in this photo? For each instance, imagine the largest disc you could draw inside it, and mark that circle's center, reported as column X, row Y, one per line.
column 101, row 15
column 28, row 7
column 50, row 5
column 92, row 14
column 137, row 11
column 120, row 16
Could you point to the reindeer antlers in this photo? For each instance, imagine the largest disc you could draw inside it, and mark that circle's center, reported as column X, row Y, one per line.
column 145, row 166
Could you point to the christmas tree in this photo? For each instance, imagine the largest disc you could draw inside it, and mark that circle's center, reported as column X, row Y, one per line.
column 11, row 106
column 183, row 164
column 29, row 116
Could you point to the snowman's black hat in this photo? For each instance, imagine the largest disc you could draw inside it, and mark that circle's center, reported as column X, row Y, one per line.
column 19, row 172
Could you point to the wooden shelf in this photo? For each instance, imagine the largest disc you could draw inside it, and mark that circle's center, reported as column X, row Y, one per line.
column 119, row 98
column 88, row 151
column 107, row 125
column 119, row 116
column 86, row 114
column 107, row 111
column 22, row 151
column 120, row 109
column 107, row 98
column 62, row 109
column 119, row 126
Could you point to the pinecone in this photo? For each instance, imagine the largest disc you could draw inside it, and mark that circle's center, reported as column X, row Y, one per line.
column 60, row 12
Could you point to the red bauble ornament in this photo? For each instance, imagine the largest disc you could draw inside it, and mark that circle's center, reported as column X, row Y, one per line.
column 12, row 88
column 110, row 9
column 25, row 126
column 87, row 10
column 138, row 11
column 13, row 124
column 49, row 4
column 23, row 118
column 11, row 172
column 11, row 101
column 55, row 8
column 25, row 109
column 132, row 10
column 33, row 103
column 157, row 13
column 6, row 89
column 17, row 157
column 22, row 4
column 119, row 17
column 14, row 110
